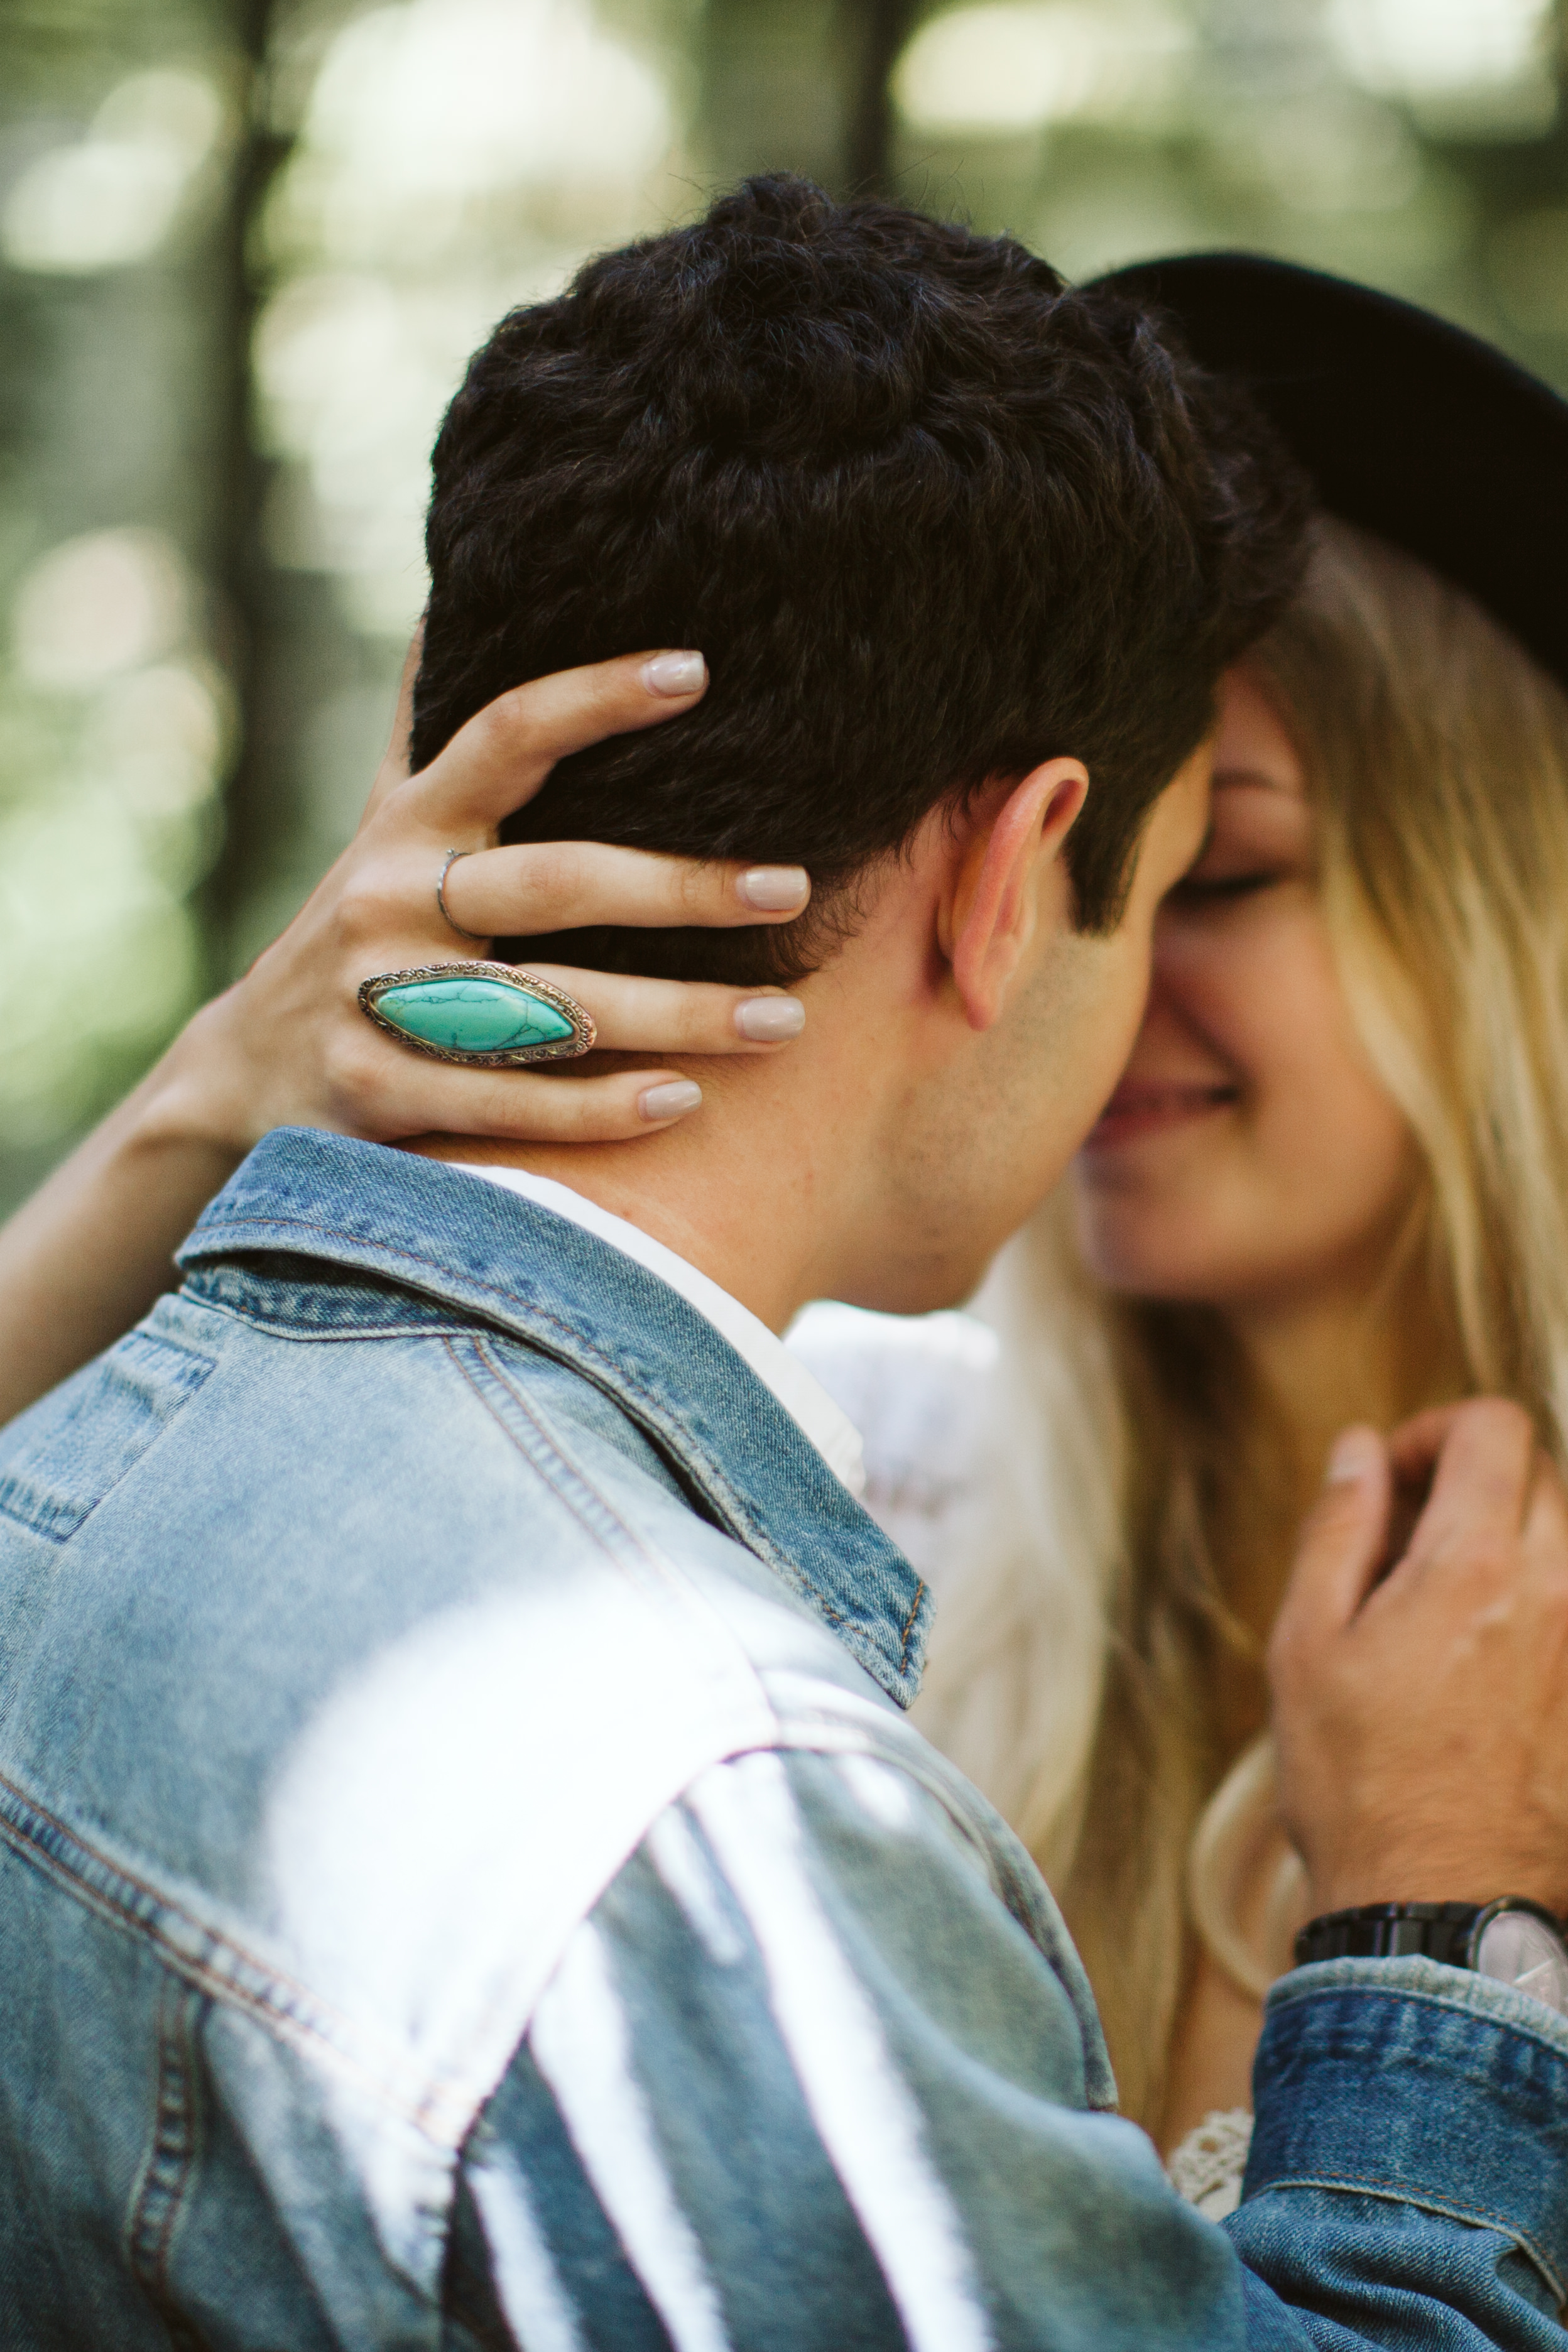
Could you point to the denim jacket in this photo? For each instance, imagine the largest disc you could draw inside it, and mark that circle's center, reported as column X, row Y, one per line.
column 466, row 1879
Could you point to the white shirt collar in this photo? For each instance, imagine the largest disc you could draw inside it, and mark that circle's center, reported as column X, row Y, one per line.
column 808, row 1405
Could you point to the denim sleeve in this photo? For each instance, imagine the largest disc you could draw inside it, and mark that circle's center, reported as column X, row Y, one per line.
column 1408, row 2178
column 802, row 2081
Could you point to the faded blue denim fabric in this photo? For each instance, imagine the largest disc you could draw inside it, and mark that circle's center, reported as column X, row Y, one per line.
column 466, row 1878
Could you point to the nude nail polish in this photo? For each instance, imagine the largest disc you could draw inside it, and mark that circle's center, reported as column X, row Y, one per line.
column 672, row 1100
column 1353, row 1455
column 773, row 888
column 768, row 1020
column 674, row 673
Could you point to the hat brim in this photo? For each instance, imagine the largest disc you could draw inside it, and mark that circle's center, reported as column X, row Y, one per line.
column 1408, row 425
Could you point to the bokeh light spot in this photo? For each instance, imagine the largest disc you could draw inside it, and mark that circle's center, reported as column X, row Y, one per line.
column 112, row 198
column 1011, row 66
column 98, row 605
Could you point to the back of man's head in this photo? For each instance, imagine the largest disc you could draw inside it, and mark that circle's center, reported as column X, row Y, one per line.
column 932, row 516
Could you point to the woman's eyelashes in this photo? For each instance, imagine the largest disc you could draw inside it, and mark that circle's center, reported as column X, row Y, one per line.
column 1199, row 884
column 1230, row 867
column 1258, row 837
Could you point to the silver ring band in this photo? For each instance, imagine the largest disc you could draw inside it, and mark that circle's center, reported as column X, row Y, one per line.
column 451, row 859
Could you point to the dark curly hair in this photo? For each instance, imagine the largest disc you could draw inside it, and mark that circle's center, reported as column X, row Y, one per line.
column 931, row 515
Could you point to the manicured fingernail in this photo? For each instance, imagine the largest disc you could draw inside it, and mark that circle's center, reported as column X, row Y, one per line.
column 767, row 1019
column 1353, row 1456
column 772, row 889
column 672, row 1100
column 674, row 673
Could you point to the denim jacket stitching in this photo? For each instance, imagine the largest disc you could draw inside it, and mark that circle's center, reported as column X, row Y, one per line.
column 910, row 1625
column 622, row 1543
column 566, row 1478
column 1397, row 2192
column 59, row 1520
column 149, row 1915
column 549, row 1439
column 617, row 1384
column 277, row 1327
column 823, row 1736
column 158, row 2200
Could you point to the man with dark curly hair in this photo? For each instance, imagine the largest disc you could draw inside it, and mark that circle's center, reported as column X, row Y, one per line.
column 465, row 1876
column 931, row 515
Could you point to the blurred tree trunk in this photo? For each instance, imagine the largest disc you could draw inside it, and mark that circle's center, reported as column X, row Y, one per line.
column 802, row 86
column 239, row 566
column 872, row 33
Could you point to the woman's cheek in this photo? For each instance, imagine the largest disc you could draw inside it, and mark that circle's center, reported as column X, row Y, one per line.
column 1323, row 1119
column 1253, row 985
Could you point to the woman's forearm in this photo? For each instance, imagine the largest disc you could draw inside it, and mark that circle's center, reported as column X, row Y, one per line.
column 288, row 1045
column 85, row 1257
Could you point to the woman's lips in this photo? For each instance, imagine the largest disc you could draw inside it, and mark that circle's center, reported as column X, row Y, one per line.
column 1148, row 1106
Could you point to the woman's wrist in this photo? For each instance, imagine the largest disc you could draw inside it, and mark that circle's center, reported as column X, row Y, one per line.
column 196, row 1099
column 89, row 1253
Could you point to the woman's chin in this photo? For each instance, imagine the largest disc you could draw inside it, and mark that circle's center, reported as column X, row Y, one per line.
column 1154, row 1239
column 1152, row 1273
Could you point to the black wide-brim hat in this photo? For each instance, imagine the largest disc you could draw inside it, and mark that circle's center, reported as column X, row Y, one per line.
column 1408, row 425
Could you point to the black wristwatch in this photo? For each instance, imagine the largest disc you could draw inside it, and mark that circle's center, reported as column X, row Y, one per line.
column 1514, row 1940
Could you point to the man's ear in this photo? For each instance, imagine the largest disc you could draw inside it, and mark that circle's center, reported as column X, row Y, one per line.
column 1011, row 873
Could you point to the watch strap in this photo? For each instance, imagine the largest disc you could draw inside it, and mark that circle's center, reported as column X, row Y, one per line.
column 1385, row 1931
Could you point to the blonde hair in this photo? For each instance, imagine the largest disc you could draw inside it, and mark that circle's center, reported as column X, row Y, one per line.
column 1074, row 1678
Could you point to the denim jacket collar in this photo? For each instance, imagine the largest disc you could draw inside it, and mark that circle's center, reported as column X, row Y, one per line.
column 501, row 1260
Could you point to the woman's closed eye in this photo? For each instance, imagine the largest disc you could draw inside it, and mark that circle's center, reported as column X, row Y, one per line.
column 1203, row 882
column 1258, row 837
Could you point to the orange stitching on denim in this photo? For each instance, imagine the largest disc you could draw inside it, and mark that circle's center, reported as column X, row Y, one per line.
column 165, row 2175
column 909, row 1624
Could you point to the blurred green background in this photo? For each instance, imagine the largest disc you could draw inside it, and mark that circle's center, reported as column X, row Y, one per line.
column 245, row 250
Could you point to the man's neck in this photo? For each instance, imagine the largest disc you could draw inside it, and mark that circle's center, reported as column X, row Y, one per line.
column 763, row 1189
column 831, row 1169
column 716, row 1230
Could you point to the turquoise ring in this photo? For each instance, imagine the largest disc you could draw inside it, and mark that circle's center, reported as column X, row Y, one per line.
column 486, row 1015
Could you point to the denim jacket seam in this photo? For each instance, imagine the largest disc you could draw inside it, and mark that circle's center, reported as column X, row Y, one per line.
column 280, row 2003
column 766, row 1548
column 649, row 1553
column 278, row 1327
column 908, row 1629
column 1398, row 2193
column 158, row 2199
column 616, row 1382
column 823, row 1736
column 612, row 1522
column 15, row 1483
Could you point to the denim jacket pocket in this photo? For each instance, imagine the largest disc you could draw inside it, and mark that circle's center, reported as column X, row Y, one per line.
column 73, row 1450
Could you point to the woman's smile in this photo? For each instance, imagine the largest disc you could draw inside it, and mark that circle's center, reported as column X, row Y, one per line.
column 1148, row 1106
